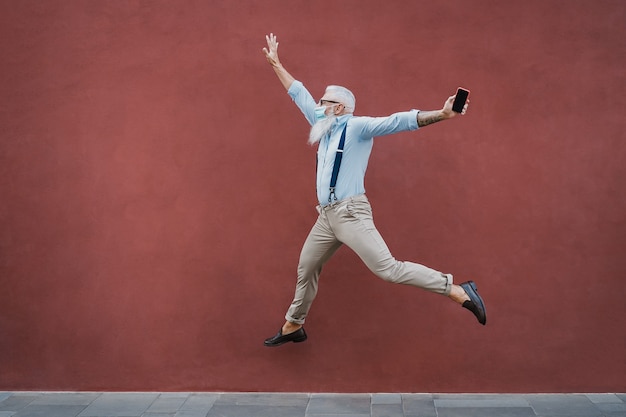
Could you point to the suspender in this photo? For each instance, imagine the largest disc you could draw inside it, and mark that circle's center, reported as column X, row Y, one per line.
column 333, row 179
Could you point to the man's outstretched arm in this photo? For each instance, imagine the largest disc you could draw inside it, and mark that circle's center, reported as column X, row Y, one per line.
column 271, row 53
column 425, row 118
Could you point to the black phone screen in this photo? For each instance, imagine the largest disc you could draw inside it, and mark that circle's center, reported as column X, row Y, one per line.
column 459, row 101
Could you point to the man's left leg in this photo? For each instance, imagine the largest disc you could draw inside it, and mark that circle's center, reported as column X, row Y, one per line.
column 355, row 227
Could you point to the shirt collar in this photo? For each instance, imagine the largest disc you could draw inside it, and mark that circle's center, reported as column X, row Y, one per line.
column 342, row 120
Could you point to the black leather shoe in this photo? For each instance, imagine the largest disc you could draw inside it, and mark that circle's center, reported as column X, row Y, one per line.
column 280, row 339
column 475, row 304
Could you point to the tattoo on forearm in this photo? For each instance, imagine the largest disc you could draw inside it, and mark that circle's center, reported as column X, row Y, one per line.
column 428, row 118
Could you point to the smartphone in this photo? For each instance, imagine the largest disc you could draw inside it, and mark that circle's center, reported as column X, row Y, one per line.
column 461, row 97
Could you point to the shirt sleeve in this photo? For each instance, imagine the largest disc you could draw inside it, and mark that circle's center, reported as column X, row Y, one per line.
column 303, row 99
column 380, row 126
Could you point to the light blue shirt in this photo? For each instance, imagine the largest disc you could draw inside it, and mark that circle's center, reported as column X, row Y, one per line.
column 357, row 148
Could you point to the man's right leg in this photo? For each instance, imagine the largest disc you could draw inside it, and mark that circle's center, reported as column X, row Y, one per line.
column 319, row 247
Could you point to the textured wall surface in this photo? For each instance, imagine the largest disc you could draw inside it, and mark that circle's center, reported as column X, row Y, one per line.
column 156, row 188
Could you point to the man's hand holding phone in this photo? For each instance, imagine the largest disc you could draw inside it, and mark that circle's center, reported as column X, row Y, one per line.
column 460, row 100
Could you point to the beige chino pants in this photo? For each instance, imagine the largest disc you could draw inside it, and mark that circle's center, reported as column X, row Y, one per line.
column 350, row 222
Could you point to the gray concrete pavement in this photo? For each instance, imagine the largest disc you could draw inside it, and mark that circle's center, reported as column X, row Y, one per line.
column 155, row 404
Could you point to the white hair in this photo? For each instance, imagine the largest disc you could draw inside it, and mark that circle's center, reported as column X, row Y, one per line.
column 342, row 95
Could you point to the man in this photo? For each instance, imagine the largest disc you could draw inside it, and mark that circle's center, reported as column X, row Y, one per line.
column 345, row 216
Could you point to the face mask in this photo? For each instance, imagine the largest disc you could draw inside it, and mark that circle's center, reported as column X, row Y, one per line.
column 320, row 113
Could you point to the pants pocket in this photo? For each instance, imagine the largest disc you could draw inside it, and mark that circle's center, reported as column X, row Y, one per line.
column 359, row 210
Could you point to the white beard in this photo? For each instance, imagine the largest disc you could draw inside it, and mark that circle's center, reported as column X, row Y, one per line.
column 321, row 129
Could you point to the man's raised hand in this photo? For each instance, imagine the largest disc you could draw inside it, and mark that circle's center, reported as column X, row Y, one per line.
column 271, row 52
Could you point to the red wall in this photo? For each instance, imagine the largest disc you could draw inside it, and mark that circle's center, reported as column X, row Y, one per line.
column 155, row 190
